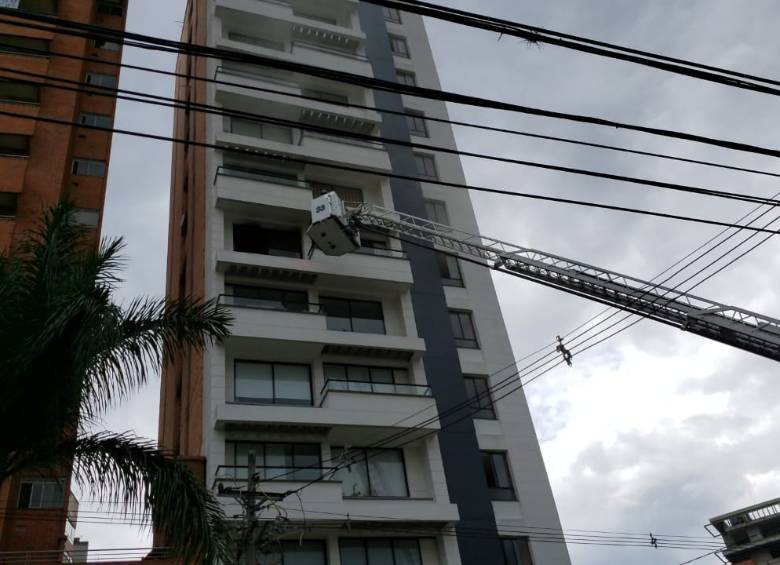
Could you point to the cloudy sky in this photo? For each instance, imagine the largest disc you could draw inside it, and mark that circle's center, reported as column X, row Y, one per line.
column 656, row 429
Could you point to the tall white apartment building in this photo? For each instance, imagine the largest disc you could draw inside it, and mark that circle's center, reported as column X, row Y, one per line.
column 339, row 359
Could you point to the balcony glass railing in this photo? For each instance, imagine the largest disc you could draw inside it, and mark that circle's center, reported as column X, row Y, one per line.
column 263, row 304
column 231, row 475
column 398, row 389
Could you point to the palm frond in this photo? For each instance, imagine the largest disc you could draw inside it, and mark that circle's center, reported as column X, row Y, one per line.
column 121, row 468
column 136, row 340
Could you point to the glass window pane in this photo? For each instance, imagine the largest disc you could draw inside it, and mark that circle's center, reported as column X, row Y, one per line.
column 353, row 477
column 407, row 552
column 278, row 461
column 292, row 384
column 380, row 552
column 386, row 472
column 336, row 311
column 477, row 390
column 353, row 552
column 381, row 375
column 501, row 470
column 304, row 553
column 358, row 373
column 335, row 372
column 254, row 382
column 455, row 325
column 19, row 92
column 367, row 317
column 25, row 495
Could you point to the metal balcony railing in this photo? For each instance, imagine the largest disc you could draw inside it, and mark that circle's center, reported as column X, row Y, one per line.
column 397, row 389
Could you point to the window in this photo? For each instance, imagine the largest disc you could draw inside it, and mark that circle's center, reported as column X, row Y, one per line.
column 98, row 79
column 14, row 145
column 252, row 128
column 449, row 270
column 277, row 460
column 39, row 6
column 14, row 91
column 268, row 298
column 359, row 316
column 8, row 204
column 426, row 166
column 111, row 7
column 89, row 168
column 23, row 45
column 346, row 193
column 406, row 77
column 87, row 218
column 399, row 46
column 362, row 378
column 107, row 44
column 516, row 551
column 499, row 480
column 380, row 551
column 416, row 122
column 291, row 552
column 463, row 329
column 478, row 396
column 251, row 238
column 42, row 493
column 436, row 210
column 272, row 383
column 97, row 120
column 392, row 14
column 371, row 472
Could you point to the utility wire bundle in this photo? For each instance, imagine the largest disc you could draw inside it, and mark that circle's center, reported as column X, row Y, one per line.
column 541, row 363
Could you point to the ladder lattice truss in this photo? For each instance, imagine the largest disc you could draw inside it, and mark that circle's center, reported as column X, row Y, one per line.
column 733, row 326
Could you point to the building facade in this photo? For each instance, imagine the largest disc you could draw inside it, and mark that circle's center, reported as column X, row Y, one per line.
column 42, row 164
column 751, row 535
column 337, row 365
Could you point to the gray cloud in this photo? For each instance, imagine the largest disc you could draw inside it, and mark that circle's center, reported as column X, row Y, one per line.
column 656, row 429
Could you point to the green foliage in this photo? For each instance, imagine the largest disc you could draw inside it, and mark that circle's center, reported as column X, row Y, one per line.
column 68, row 352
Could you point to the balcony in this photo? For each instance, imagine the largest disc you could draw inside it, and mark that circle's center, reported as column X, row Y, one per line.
column 311, row 147
column 298, row 324
column 381, row 268
column 324, row 501
column 748, row 516
column 319, row 106
column 294, row 33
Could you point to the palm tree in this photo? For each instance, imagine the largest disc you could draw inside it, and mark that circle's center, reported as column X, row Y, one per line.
column 68, row 352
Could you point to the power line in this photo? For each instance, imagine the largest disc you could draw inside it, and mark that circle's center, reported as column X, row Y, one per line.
column 534, row 34
column 427, row 118
column 385, row 174
column 84, row 87
column 506, row 382
column 170, row 46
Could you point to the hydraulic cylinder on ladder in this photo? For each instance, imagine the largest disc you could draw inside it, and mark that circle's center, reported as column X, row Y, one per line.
column 335, row 230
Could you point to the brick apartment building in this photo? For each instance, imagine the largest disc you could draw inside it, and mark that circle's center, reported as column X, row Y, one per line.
column 41, row 164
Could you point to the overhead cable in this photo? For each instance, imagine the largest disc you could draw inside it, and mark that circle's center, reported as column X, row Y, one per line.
column 428, row 118
column 69, row 27
column 534, row 34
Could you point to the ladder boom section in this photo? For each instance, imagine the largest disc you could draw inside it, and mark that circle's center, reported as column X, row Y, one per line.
column 727, row 324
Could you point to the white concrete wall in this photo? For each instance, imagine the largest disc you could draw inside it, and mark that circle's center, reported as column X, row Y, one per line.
column 367, row 277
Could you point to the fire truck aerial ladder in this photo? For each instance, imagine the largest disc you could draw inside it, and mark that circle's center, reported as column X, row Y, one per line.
column 336, row 229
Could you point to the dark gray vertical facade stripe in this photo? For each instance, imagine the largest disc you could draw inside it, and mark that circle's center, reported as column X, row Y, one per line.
column 459, row 448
